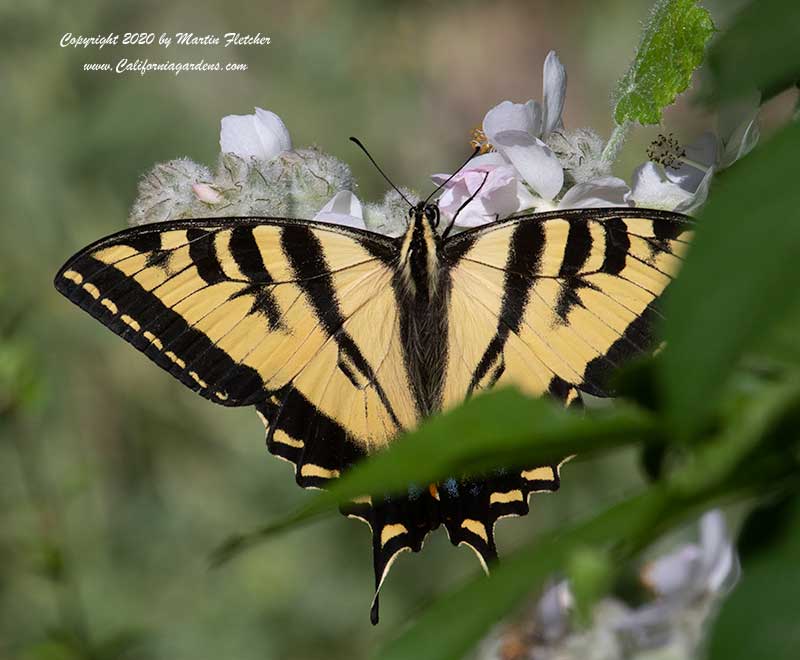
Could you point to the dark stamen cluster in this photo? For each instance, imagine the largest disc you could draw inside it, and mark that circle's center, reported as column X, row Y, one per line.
column 666, row 150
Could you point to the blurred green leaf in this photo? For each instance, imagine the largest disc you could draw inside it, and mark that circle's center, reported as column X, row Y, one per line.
column 760, row 50
column 590, row 574
column 452, row 625
column 498, row 429
column 671, row 48
column 739, row 280
column 715, row 471
column 748, row 426
column 764, row 604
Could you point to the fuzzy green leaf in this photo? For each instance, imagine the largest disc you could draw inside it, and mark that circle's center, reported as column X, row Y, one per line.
column 672, row 47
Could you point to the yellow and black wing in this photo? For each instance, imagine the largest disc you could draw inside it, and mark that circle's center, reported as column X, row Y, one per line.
column 297, row 318
column 552, row 303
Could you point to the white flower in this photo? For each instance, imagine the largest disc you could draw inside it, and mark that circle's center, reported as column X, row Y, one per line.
column 687, row 585
column 500, row 195
column 518, row 130
column 653, row 189
column 696, row 570
column 684, row 188
column 539, row 120
column 344, row 208
column 262, row 135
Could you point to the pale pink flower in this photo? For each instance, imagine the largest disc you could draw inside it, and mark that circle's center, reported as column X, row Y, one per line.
column 206, row 193
column 501, row 195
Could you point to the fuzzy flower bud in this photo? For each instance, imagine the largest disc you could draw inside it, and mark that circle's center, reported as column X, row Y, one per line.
column 167, row 193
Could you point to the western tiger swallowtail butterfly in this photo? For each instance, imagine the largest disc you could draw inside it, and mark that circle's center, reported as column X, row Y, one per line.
column 342, row 339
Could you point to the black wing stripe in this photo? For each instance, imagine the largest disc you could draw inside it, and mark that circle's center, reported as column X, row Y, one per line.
column 577, row 249
column 522, row 265
column 617, row 246
column 203, row 253
column 497, row 345
column 245, row 252
column 147, row 338
column 304, row 252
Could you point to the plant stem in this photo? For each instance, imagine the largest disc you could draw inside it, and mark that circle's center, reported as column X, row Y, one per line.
column 615, row 142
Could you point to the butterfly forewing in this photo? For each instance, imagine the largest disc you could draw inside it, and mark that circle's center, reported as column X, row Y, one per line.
column 552, row 302
column 239, row 310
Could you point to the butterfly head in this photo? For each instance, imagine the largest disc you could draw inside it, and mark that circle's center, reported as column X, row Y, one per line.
column 425, row 212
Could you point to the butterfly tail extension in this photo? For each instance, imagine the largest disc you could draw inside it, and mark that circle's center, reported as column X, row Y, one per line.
column 398, row 524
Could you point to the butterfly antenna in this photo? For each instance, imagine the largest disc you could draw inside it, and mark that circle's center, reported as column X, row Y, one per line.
column 461, row 208
column 450, row 178
column 377, row 167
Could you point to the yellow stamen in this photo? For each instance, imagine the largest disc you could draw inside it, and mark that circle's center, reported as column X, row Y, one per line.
column 480, row 141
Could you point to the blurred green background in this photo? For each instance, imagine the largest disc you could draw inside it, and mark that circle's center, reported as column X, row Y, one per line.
column 115, row 482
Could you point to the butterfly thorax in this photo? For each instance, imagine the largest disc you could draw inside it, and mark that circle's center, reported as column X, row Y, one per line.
column 419, row 255
column 422, row 294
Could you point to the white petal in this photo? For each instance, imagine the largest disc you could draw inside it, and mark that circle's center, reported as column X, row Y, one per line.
column 537, row 118
column 262, row 135
column 674, row 573
column 720, row 562
column 651, row 189
column 698, row 197
column 508, row 116
column 597, row 193
column 272, row 128
column 552, row 611
column 704, row 152
column 239, row 135
column 472, row 217
column 491, row 159
column 735, row 113
column 534, row 160
column 553, row 93
column 503, row 199
column 344, row 208
column 741, row 142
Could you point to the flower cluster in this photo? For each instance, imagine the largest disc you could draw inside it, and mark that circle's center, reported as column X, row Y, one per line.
column 535, row 163
column 529, row 162
column 685, row 585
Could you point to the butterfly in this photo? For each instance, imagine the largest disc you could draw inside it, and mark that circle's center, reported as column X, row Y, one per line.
column 343, row 339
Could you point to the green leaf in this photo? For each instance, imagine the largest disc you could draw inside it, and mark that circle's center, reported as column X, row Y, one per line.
column 590, row 573
column 741, row 277
column 671, row 48
column 760, row 50
column 764, row 604
column 499, row 429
